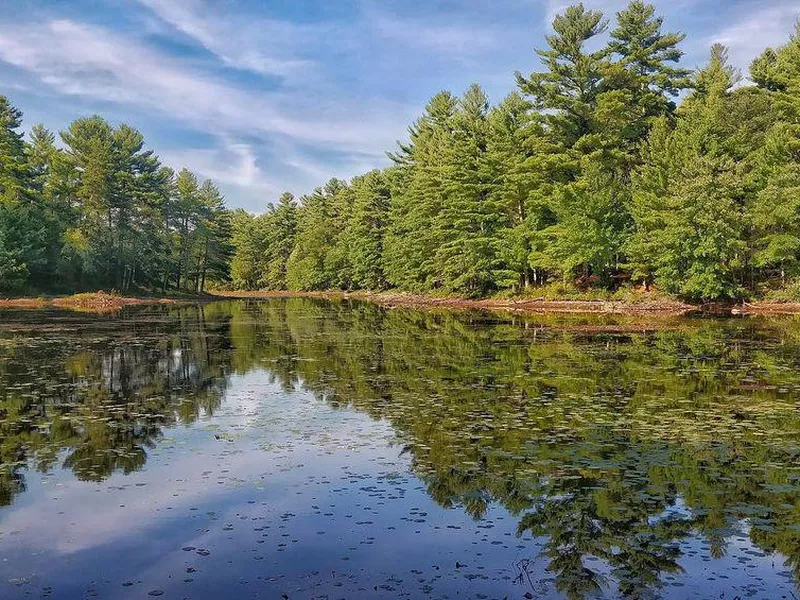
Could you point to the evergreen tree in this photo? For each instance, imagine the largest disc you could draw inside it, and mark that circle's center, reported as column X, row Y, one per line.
column 250, row 247
column 592, row 224
column 214, row 247
column 514, row 185
column 688, row 209
column 572, row 79
column 779, row 71
column 601, row 106
column 468, row 223
column 281, row 228
column 119, row 191
column 568, row 91
column 309, row 265
column 775, row 211
column 22, row 234
column 366, row 229
column 647, row 55
column 418, row 195
column 184, row 212
column 14, row 174
column 51, row 186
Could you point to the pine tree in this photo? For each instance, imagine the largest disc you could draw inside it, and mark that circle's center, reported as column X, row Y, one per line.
column 577, row 111
column 515, row 141
column 184, row 212
column 214, row 247
column 14, row 174
column 280, row 236
column 592, row 224
column 647, row 55
column 366, row 230
column 779, row 71
column 250, row 239
column 600, row 106
column 687, row 203
column 775, row 210
column 22, row 233
column 51, row 191
column 571, row 81
column 119, row 190
column 337, row 265
column 309, row 265
column 468, row 222
column 418, row 194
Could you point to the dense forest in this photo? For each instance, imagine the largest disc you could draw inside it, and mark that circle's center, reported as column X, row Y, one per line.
column 608, row 168
column 101, row 211
column 612, row 168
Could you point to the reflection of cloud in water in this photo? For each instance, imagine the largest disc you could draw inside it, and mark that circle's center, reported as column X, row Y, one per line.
column 638, row 461
column 192, row 456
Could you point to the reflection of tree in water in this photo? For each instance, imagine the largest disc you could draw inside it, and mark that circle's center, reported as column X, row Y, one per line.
column 97, row 403
column 614, row 446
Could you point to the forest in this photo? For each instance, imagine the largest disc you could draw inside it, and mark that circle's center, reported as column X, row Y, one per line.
column 612, row 168
column 101, row 211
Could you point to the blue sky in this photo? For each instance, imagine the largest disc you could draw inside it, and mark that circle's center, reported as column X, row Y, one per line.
column 272, row 95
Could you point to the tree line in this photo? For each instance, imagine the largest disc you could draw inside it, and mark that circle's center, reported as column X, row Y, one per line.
column 99, row 210
column 608, row 168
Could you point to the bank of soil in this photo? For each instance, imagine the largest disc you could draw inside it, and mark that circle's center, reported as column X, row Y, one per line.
column 106, row 302
column 767, row 308
column 643, row 307
column 93, row 302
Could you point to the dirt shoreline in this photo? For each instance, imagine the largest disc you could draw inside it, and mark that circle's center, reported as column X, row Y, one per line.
column 661, row 307
column 655, row 307
column 88, row 302
column 107, row 302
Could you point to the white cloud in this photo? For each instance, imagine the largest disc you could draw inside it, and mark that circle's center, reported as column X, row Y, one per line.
column 758, row 29
column 79, row 60
column 231, row 162
column 100, row 66
column 260, row 45
column 455, row 41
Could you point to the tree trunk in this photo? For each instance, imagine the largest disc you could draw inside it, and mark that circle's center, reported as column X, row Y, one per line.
column 205, row 267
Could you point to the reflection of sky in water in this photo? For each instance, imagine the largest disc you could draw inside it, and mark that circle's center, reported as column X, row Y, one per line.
column 296, row 498
column 280, row 493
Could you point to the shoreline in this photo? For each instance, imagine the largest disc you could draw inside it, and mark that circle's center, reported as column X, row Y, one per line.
column 655, row 307
column 106, row 302
column 88, row 302
column 516, row 305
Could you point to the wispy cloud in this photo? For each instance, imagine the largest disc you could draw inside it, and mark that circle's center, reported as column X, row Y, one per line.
column 264, row 46
column 747, row 37
column 77, row 59
column 230, row 162
column 283, row 98
column 457, row 41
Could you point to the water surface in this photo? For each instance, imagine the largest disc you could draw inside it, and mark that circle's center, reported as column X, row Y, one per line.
column 311, row 449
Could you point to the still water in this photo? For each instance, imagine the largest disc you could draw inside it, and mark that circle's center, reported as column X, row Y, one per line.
column 310, row 449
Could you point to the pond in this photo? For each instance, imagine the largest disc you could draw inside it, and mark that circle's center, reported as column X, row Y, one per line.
column 299, row 448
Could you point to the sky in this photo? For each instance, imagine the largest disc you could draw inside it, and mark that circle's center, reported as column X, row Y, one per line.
column 265, row 96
